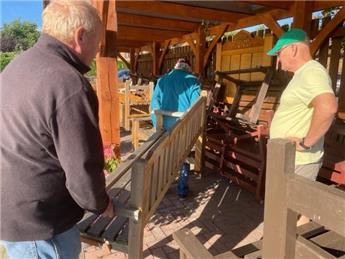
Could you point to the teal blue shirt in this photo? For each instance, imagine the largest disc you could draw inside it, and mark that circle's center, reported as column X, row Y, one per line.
column 176, row 91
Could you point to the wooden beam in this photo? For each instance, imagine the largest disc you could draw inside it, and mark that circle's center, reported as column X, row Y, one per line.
column 144, row 34
column 140, row 20
column 180, row 10
column 272, row 4
column 323, row 34
column 302, row 12
column 220, row 32
column 165, row 49
column 272, row 24
column 253, row 20
column 107, row 77
column 320, row 5
column 131, row 43
column 128, row 65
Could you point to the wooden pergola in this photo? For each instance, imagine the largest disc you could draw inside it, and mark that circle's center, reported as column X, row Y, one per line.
column 132, row 26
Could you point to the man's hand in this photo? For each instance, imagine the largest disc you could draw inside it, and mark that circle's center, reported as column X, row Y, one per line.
column 297, row 141
column 110, row 210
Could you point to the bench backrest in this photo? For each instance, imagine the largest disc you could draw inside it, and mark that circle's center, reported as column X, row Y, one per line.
column 154, row 172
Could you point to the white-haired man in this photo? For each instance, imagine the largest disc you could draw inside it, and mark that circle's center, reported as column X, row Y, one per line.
column 176, row 91
column 307, row 105
column 51, row 149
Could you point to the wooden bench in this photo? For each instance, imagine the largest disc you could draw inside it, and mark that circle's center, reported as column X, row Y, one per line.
column 235, row 140
column 287, row 195
column 139, row 185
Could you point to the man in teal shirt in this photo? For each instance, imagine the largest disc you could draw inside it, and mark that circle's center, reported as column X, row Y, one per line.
column 176, row 91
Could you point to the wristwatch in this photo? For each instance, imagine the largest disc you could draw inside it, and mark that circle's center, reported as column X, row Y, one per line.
column 304, row 146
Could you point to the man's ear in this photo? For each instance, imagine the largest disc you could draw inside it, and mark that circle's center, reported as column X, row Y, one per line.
column 79, row 39
column 295, row 49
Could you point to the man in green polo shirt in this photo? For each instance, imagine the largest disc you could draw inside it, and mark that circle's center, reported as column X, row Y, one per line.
column 307, row 105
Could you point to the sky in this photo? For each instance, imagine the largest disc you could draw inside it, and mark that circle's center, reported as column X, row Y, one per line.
column 25, row 10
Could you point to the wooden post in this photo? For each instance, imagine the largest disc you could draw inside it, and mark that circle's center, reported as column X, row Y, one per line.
column 127, row 106
column 159, row 121
column 106, row 63
column 199, row 145
column 302, row 12
column 132, row 60
column 280, row 222
column 139, row 194
column 155, row 58
column 200, row 51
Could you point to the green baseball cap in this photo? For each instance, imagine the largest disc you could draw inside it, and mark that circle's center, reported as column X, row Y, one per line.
column 289, row 37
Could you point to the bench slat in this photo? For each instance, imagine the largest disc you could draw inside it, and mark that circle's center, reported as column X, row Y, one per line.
column 87, row 220
column 114, row 228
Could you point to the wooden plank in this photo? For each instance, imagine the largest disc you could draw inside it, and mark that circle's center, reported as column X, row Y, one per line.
column 307, row 249
column 280, row 222
column 334, row 62
column 256, row 109
column 323, row 34
column 341, row 95
column 330, row 241
column 181, row 10
column 323, row 204
column 125, row 166
column 135, row 133
column 114, row 228
column 141, row 21
column 302, row 12
column 145, row 34
column 271, row 23
column 138, row 195
column 190, row 245
column 154, row 174
column 122, row 190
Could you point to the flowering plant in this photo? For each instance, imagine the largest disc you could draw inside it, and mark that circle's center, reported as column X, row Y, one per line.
column 110, row 160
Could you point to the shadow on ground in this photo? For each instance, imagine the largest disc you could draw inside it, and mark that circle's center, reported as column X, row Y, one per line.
column 219, row 213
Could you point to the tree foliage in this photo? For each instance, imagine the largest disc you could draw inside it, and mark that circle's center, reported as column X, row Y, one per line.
column 18, row 36
column 5, row 58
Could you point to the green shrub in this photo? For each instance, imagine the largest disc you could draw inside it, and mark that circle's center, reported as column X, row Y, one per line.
column 6, row 57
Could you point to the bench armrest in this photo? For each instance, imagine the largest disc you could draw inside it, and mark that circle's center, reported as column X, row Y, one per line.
column 190, row 245
column 168, row 113
column 122, row 210
column 128, row 213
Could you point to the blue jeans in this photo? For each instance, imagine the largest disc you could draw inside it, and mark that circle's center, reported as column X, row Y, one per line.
column 182, row 187
column 62, row 246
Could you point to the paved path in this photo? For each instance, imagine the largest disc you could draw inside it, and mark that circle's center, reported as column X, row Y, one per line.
column 221, row 215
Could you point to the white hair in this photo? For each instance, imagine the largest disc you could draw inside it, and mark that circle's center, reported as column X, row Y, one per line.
column 62, row 17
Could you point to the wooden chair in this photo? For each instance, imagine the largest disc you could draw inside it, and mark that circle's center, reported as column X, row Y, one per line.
column 139, row 185
column 135, row 102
